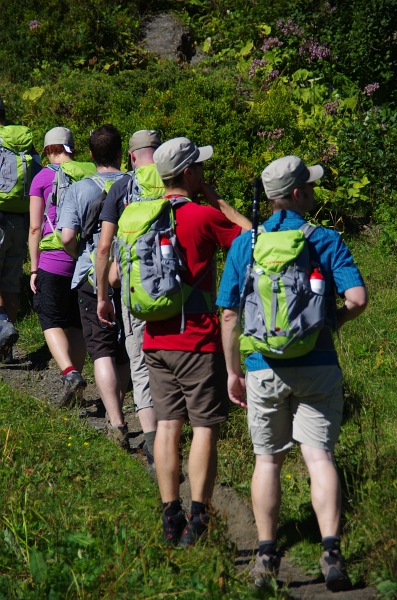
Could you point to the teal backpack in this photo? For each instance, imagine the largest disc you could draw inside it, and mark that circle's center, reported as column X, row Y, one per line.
column 283, row 316
column 65, row 175
column 152, row 289
column 16, row 143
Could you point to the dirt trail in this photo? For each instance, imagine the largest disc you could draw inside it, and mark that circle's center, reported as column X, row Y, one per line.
column 38, row 375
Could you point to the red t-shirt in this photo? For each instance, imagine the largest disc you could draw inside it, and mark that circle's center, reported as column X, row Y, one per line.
column 199, row 230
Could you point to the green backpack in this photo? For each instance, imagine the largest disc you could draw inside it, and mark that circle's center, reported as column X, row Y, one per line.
column 66, row 174
column 152, row 289
column 15, row 167
column 283, row 316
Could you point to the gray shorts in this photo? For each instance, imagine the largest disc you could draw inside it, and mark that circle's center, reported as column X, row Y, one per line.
column 290, row 405
column 13, row 251
column 134, row 329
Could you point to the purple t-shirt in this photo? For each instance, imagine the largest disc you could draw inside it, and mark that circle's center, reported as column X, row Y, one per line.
column 54, row 261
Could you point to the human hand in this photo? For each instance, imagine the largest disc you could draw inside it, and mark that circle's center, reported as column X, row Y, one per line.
column 236, row 389
column 105, row 312
column 33, row 278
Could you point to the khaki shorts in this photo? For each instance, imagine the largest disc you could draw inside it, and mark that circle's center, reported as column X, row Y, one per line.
column 13, row 251
column 188, row 385
column 302, row 404
column 134, row 329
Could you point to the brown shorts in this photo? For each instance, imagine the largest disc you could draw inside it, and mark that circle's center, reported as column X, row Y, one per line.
column 188, row 384
column 101, row 341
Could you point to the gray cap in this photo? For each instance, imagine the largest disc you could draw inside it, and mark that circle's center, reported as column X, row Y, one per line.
column 174, row 156
column 59, row 135
column 144, row 138
column 2, row 105
column 287, row 173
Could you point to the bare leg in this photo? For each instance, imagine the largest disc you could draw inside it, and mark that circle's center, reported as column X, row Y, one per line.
column 203, row 462
column 266, row 493
column 9, row 301
column 58, row 344
column 77, row 348
column 325, row 489
column 147, row 419
column 123, row 372
column 108, row 383
column 166, row 457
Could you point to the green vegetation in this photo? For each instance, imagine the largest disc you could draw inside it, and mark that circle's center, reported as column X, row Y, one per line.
column 282, row 77
column 81, row 519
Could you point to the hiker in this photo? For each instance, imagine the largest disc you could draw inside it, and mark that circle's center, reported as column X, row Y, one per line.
column 143, row 183
column 105, row 344
column 19, row 163
column 55, row 303
column 187, row 370
column 300, row 398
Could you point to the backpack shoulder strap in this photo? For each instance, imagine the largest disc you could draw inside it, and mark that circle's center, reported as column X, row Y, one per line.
column 51, row 199
column 98, row 180
column 308, row 229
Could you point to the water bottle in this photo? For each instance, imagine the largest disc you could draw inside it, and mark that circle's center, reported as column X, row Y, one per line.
column 317, row 282
column 166, row 248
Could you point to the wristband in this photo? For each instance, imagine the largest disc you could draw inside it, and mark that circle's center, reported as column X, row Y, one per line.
column 33, row 272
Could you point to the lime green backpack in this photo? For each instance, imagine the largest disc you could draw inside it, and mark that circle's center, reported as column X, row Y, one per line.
column 15, row 168
column 150, row 264
column 283, row 316
column 66, row 174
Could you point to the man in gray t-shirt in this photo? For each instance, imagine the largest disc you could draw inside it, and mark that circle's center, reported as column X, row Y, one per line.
column 105, row 344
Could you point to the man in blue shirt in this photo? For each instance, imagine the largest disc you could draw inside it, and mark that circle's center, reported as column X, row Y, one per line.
column 297, row 399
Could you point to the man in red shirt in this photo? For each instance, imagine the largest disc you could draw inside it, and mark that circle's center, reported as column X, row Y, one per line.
column 187, row 373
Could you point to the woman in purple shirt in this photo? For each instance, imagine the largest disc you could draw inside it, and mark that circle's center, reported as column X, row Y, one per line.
column 51, row 273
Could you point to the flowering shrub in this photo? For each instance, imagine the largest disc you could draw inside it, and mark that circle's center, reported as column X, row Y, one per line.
column 371, row 88
column 34, row 24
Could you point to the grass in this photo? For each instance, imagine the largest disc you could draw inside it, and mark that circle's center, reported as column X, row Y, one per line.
column 81, row 519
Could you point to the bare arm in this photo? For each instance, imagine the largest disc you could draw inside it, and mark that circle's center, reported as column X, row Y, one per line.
column 105, row 307
column 231, row 331
column 36, row 210
column 230, row 213
column 69, row 242
column 356, row 300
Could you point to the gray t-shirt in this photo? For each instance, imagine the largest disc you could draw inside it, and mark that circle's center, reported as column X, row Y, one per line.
column 73, row 215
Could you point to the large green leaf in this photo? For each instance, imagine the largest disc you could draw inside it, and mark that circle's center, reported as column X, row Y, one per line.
column 38, row 566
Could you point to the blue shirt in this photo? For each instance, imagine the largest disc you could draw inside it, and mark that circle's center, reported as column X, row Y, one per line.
column 325, row 248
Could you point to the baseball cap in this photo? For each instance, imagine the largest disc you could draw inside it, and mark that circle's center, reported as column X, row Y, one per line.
column 144, row 138
column 287, row 173
column 174, row 156
column 59, row 135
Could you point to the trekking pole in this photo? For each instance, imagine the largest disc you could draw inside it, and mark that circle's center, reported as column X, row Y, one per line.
column 254, row 233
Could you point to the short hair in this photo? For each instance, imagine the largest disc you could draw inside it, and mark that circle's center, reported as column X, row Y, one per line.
column 105, row 145
column 174, row 181
column 55, row 149
column 2, row 115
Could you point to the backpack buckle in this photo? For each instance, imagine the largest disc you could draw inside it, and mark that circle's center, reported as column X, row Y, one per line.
column 275, row 286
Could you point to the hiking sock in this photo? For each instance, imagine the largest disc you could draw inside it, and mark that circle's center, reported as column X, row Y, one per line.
column 267, row 547
column 68, row 370
column 172, row 508
column 198, row 508
column 149, row 439
column 331, row 542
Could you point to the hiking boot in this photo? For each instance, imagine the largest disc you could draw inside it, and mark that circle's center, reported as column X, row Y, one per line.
column 265, row 568
column 8, row 336
column 118, row 434
column 196, row 527
column 73, row 386
column 173, row 527
column 333, row 567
